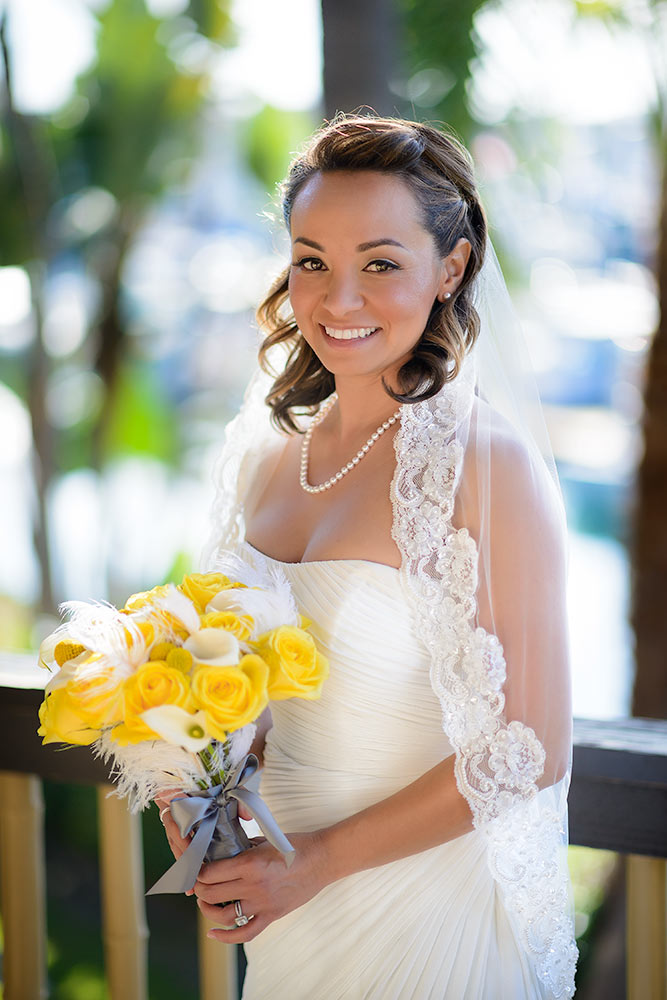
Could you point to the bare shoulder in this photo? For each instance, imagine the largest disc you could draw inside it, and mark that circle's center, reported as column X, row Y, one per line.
column 261, row 471
column 500, row 467
column 494, row 443
column 491, row 431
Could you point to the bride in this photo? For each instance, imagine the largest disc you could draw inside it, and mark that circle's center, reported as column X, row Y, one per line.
column 389, row 460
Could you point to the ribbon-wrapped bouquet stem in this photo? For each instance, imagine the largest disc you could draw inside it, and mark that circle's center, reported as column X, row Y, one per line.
column 169, row 688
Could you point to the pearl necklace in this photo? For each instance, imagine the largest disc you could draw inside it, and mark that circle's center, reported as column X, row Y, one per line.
column 305, row 445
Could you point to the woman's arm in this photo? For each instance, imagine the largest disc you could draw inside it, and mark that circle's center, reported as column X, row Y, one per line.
column 263, row 724
column 428, row 812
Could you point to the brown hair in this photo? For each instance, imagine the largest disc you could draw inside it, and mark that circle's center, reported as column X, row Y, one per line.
column 439, row 170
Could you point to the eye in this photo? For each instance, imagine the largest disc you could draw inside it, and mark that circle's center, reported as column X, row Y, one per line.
column 310, row 264
column 381, row 266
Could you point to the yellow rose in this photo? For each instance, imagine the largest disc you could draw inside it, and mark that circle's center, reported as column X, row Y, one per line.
column 239, row 625
column 62, row 722
column 297, row 669
column 96, row 694
column 232, row 696
column 151, row 626
column 153, row 685
column 141, row 634
column 145, row 597
column 202, row 588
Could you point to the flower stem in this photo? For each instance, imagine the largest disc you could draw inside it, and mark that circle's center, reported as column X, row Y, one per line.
column 207, row 758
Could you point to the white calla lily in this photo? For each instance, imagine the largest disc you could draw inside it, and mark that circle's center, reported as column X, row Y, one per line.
column 178, row 727
column 213, row 647
column 67, row 672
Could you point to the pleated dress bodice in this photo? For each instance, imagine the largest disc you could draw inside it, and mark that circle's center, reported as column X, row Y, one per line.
column 377, row 725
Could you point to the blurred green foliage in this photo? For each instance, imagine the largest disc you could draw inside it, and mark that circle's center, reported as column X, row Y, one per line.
column 141, row 420
column 440, row 40
column 131, row 116
column 272, row 137
column 591, row 872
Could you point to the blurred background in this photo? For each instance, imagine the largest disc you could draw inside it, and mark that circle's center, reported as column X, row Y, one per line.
column 140, row 145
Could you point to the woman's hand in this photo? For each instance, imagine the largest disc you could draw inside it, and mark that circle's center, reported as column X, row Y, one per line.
column 266, row 888
column 177, row 843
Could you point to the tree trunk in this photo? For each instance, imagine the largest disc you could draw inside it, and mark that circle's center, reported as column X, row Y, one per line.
column 110, row 329
column 649, row 615
column 361, row 52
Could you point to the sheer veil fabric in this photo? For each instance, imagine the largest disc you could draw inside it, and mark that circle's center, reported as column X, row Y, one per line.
column 479, row 523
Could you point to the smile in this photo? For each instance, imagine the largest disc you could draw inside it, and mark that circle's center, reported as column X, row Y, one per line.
column 353, row 333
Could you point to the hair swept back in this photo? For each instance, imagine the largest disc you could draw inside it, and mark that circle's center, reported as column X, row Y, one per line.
column 439, row 170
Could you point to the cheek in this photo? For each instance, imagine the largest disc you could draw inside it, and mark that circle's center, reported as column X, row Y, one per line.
column 301, row 302
column 412, row 301
column 300, row 294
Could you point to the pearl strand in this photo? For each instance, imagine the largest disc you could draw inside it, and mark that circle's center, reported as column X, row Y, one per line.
column 305, row 446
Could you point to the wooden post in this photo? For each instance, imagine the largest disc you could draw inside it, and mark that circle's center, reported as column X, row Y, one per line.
column 217, row 966
column 646, row 935
column 23, row 882
column 125, row 932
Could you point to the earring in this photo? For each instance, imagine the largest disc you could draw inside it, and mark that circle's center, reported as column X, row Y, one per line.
column 446, row 296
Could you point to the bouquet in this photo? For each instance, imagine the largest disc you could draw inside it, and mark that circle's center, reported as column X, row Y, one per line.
column 169, row 687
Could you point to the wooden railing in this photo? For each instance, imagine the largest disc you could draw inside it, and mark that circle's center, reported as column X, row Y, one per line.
column 618, row 801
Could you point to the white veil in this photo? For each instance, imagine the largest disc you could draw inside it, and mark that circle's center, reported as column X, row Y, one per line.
column 478, row 520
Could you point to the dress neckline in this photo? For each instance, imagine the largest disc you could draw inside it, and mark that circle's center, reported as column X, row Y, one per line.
column 321, row 562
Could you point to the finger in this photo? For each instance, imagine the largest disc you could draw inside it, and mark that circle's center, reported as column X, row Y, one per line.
column 225, row 870
column 171, row 826
column 244, row 812
column 222, row 915
column 177, row 843
column 217, row 892
column 237, row 935
column 164, row 798
column 174, row 834
column 228, row 932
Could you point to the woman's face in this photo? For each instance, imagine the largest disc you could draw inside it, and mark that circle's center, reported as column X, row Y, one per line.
column 365, row 272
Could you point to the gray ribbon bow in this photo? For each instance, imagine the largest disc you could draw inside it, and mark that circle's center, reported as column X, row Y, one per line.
column 212, row 813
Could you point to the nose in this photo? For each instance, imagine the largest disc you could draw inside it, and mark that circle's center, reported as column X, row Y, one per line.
column 342, row 295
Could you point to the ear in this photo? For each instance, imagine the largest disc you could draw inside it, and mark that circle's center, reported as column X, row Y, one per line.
column 453, row 268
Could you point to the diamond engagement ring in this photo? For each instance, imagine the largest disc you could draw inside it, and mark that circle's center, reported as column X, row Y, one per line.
column 241, row 919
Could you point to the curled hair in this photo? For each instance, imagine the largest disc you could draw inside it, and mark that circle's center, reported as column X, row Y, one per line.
column 439, row 171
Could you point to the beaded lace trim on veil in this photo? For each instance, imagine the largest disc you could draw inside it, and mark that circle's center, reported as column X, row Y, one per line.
column 498, row 764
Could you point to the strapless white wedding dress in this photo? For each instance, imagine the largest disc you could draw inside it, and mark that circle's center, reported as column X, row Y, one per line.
column 429, row 927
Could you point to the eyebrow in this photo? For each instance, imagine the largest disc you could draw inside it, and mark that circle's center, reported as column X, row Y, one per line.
column 370, row 245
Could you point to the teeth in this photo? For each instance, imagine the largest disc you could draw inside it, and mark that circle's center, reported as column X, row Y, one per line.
column 351, row 334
